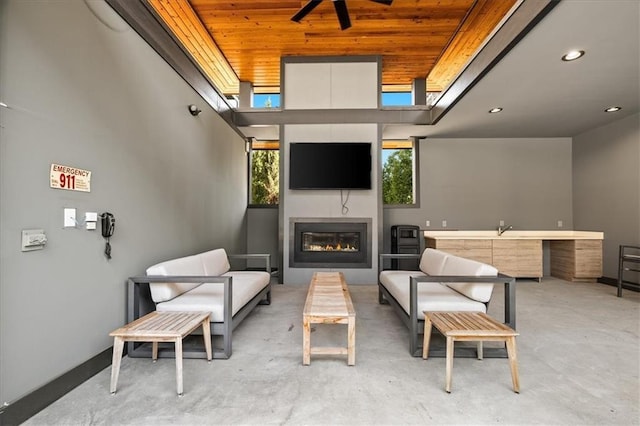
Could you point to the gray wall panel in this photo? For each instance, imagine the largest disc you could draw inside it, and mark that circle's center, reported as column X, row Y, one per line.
column 606, row 197
column 83, row 95
column 475, row 183
column 262, row 233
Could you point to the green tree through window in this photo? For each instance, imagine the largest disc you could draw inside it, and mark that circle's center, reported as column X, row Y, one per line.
column 265, row 176
column 397, row 177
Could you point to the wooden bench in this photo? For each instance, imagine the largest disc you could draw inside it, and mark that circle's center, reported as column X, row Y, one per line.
column 328, row 302
column 470, row 326
column 160, row 327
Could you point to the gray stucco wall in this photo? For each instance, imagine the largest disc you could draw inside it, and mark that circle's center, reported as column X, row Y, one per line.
column 606, row 196
column 83, row 95
column 475, row 183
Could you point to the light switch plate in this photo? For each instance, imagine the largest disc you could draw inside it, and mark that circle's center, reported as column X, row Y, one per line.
column 69, row 218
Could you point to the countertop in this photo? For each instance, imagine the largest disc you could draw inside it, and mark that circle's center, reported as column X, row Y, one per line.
column 515, row 235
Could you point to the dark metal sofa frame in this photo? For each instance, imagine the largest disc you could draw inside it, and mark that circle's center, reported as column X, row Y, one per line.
column 416, row 325
column 139, row 304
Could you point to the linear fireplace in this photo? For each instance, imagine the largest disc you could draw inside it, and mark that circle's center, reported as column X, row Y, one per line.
column 330, row 243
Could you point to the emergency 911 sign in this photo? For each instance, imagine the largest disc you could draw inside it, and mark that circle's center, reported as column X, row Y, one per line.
column 70, row 178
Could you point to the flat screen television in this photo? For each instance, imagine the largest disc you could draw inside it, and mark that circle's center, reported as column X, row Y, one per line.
column 329, row 165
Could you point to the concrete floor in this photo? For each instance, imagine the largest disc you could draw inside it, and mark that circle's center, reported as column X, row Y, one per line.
column 578, row 353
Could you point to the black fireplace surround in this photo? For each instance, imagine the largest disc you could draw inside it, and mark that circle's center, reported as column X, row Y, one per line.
column 330, row 243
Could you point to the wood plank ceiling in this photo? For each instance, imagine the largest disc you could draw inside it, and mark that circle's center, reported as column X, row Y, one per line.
column 243, row 40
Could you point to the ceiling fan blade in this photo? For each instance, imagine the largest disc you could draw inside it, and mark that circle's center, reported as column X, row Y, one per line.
column 343, row 13
column 304, row 11
column 387, row 2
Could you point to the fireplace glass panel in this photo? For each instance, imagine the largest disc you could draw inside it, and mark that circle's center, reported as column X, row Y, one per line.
column 331, row 241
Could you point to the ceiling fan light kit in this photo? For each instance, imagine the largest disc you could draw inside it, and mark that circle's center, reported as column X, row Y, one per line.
column 341, row 11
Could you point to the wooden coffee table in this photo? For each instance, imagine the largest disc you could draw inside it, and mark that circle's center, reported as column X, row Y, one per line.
column 328, row 302
column 160, row 327
column 470, row 326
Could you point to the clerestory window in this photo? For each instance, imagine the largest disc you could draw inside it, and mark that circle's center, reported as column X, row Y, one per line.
column 266, row 100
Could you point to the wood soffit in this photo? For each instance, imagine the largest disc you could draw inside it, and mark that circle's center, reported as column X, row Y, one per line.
column 244, row 40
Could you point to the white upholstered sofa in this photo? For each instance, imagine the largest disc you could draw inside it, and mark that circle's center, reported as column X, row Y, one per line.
column 201, row 282
column 444, row 283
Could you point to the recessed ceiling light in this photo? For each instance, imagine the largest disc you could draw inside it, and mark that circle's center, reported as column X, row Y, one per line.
column 495, row 110
column 613, row 109
column 572, row 55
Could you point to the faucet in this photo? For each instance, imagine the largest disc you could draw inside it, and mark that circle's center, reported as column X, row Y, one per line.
column 502, row 230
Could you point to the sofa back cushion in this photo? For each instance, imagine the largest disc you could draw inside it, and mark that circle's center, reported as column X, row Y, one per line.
column 432, row 261
column 190, row 265
column 466, row 267
column 215, row 262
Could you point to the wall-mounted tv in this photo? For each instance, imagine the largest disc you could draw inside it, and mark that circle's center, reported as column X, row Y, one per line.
column 329, row 165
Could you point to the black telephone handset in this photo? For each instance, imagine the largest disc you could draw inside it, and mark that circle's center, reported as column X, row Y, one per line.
column 108, row 226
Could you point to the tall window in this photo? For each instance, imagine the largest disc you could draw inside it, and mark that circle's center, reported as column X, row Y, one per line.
column 264, row 175
column 398, row 172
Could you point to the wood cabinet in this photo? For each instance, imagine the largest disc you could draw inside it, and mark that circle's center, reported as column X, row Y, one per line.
column 518, row 258
column 576, row 260
column 475, row 249
column 574, row 255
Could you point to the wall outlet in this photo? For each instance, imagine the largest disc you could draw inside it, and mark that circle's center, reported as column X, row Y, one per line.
column 428, row 223
column 559, row 224
column 502, row 223
column 444, row 223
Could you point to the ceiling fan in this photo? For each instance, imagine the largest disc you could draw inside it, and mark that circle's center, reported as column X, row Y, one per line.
column 339, row 5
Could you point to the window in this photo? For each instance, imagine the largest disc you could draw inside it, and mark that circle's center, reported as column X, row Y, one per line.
column 266, row 100
column 264, row 176
column 399, row 172
column 396, row 99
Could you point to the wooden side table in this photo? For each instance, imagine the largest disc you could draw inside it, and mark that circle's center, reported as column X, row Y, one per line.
column 470, row 326
column 160, row 327
column 328, row 302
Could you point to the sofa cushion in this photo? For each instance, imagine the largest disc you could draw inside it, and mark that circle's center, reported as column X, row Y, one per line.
column 466, row 267
column 190, row 265
column 432, row 296
column 246, row 284
column 209, row 296
column 215, row 262
column 392, row 278
column 432, row 261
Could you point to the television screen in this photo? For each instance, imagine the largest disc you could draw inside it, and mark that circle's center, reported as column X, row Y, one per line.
column 340, row 165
